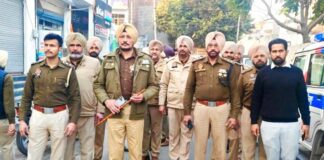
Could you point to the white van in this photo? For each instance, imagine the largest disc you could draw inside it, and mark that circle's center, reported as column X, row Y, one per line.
column 311, row 60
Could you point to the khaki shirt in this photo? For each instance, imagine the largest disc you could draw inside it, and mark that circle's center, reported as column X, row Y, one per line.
column 206, row 82
column 107, row 85
column 245, row 86
column 8, row 98
column 86, row 71
column 51, row 87
column 159, row 67
column 173, row 83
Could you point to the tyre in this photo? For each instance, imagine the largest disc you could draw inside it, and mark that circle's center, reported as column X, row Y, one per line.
column 22, row 143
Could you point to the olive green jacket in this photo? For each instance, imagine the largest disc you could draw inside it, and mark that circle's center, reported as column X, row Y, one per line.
column 107, row 85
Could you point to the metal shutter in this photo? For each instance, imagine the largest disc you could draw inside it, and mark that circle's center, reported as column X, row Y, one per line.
column 12, row 33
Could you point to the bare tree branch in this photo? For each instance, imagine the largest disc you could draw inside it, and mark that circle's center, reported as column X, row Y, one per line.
column 278, row 22
column 293, row 19
column 315, row 22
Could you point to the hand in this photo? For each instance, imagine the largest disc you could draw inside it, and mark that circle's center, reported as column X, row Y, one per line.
column 231, row 122
column 23, row 128
column 162, row 110
column 11, row 130
column 137, row 98
column 255, row 130
column 99, row 117
column 305, row 131
column 186, row 119
column 238, row 125
column 70, row 129
column 110, row 104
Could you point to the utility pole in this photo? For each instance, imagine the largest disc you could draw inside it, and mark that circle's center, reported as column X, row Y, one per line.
column 238, row 28
column 154, row 18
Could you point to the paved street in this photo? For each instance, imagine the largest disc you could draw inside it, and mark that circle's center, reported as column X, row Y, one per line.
column 164, row 153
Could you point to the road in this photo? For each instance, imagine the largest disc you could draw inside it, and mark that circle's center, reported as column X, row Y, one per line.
column 304, row 154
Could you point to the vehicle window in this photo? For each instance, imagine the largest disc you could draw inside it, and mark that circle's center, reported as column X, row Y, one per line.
column 317, row 70
column 300, row 62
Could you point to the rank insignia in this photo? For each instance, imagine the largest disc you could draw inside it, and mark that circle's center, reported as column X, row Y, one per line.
column 37, row 73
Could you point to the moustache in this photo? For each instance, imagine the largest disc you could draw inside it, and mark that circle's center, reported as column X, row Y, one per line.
column 124, row 43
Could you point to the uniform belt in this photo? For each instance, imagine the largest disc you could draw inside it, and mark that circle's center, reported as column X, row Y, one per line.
column 49, row 110
column 211, row 103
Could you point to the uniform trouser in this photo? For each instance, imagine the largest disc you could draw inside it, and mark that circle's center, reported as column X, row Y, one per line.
column 211, row 119
column 99, row 139
column 249, row 140
column 234, row 142
column 280, row 140
column 165, row 127
column 152, row 131
column 179, row 135
column 121, row 128
column 43, row 125
column 6, row 142
column 86, row 135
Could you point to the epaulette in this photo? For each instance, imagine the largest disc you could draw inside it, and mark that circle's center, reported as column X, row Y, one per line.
column 228, row 60
column 198, row 58
column 37, row 62
column 170, row 59
column 67, row 64
column 247, row 70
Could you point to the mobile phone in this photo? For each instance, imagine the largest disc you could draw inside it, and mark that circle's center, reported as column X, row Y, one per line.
column 189, row 125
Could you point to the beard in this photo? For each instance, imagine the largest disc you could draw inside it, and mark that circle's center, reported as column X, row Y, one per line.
column 259, row 65
column 213, row 54
column 76, row 55
column 278, row 61
column 126, row 49
column 93, row 54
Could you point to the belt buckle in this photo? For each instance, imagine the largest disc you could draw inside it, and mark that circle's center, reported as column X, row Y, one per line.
column 48, row 110
column 212, row 103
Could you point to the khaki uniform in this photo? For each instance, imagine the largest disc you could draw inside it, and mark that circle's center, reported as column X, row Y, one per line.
column 6, row 142
column 86, row 71
column 153, row 120
column 130, row 121
column 246, row 84
column 172, row 88
column 217, row 99
column 49, row 88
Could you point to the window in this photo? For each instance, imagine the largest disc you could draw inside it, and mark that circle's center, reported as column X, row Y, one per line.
column 118, row 18
column 317, row 70
column 300, row 62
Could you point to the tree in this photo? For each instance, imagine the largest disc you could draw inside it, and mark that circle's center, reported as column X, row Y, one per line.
column 294, row 8
column 196, row 18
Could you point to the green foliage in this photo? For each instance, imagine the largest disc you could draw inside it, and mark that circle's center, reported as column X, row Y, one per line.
column 318, row 9
column 196, row 18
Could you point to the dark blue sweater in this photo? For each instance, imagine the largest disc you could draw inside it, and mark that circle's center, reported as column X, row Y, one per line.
column 278, row 94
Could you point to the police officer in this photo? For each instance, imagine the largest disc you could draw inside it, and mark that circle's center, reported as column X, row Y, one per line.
column 259, row 55
column 153, row 118
column 172, row 86
column 124, row 74
column 52, row 87
column 94, row 47
column 213, row 81
column 86, row 69
column 7, row 110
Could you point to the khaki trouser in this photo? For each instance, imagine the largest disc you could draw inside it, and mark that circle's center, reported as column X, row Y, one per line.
column 152, row 131
column 121, row 128
column 6, row 142
column 165, row 127
column 248, row 139
column 43, row 125
column 99, row 139
column 211, row 119
column 86, row 134
column 180, row 136
column 234, row 142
